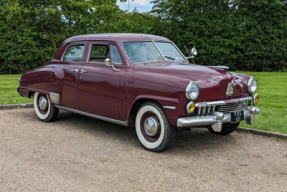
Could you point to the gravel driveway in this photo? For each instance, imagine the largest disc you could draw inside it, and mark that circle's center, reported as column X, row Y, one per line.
column 77, row 153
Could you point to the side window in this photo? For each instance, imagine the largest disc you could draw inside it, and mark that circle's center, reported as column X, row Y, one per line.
column 74, row 53
column 115, row 56
column 99, row 53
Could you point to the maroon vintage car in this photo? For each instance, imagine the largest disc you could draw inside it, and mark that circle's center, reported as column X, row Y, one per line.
column 142, row 81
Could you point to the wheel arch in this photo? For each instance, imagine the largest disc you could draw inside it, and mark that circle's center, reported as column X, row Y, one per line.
column 162, row 101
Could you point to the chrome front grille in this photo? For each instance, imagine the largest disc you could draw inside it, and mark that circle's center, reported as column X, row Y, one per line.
column 206, row 110
column 211, row 107
column 228, row 108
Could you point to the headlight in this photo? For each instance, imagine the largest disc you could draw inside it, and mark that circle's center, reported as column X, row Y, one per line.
column 192, row 91
column 252, row 85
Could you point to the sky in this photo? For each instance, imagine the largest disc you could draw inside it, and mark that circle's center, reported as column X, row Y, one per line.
column 141, row 5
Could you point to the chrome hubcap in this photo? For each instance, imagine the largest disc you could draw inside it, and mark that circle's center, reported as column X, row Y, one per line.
column 43, row 103
column 150, row 126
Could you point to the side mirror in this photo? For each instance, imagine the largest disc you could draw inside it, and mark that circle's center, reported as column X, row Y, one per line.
column 108, row 62
column 193, row 51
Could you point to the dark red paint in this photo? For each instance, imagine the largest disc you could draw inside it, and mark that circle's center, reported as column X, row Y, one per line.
column 112, row 94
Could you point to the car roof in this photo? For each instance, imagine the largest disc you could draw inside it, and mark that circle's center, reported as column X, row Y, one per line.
column 117, row 37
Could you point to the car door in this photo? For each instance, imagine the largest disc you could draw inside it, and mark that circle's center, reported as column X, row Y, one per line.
column 101, row 88
column 70, row 65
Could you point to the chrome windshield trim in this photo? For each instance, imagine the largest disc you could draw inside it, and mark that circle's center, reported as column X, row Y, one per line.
column 124, row 123
column 159, row 51
column 170, row 107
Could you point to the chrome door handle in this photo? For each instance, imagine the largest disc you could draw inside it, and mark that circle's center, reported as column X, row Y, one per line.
column 83, row 71
column 74, row 70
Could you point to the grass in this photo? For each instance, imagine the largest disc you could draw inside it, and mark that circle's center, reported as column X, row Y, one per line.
column 8, row 91
column 272, row 90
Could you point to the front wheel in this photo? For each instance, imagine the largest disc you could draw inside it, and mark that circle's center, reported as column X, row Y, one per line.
column 44, row 108
column 226, row 129
column 152, row 127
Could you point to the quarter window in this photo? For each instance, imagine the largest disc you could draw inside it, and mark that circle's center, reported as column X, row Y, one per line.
column 115, row 56
column 74, row 53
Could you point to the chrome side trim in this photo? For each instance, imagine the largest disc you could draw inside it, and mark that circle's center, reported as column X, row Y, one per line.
column 170, row 107
column 55, row 98
column 124, row 123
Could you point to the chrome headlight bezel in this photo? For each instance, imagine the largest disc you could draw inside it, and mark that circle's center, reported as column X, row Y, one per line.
column 192, row 91
column 252, row 85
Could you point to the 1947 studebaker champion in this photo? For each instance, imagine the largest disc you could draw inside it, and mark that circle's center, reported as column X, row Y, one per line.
column 142, row 81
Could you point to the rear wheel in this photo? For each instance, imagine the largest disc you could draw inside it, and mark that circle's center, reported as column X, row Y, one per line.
column 44, row 108
column 226, row 129
column 152, row 127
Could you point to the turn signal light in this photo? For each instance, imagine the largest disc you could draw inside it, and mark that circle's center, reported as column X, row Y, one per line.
column 255, row 99
column 190, row 107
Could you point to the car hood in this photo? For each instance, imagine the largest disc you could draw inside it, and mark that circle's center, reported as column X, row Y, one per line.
column 212, row 82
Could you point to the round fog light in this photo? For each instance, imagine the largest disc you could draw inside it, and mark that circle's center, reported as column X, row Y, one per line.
column 190, row 107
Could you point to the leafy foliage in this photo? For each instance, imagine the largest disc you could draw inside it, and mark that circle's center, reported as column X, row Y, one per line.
column 243, row 34
column 32, row 30
column 248, row 35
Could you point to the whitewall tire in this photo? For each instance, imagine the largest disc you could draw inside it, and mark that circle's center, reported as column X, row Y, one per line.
column 44, row 108
column 152, row 127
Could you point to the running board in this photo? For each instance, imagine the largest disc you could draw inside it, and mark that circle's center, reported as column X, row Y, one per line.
column 124, row 123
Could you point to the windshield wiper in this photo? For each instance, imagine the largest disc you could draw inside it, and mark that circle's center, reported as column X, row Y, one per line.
column 169, row 57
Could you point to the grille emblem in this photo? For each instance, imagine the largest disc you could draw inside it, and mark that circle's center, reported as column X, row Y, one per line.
column 229, row 91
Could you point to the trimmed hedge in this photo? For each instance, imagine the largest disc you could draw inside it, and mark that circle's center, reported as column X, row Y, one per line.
column 248, row 35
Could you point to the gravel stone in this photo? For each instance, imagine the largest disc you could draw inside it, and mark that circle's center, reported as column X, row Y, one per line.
column 78, row 153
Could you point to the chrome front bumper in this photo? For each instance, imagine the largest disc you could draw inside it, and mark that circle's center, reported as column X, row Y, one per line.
column 215, row 120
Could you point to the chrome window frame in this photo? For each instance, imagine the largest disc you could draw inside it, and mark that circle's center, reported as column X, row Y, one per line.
column 74, row 45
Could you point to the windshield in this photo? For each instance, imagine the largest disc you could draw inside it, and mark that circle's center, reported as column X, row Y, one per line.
column 140, row 52
column 169, row 51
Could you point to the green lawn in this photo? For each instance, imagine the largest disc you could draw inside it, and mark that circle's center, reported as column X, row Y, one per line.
column 272, row 90
column 8, row 90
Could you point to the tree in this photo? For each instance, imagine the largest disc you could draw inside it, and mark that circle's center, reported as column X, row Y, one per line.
column 243, row 34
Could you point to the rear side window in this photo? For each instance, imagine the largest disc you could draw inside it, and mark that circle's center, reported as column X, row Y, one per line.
column 74, row 53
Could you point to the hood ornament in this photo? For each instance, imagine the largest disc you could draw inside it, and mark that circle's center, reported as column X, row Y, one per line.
column 229, row 91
